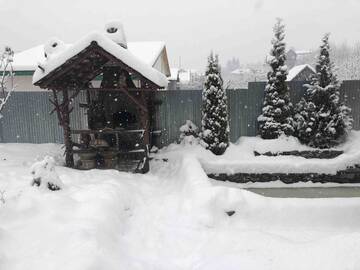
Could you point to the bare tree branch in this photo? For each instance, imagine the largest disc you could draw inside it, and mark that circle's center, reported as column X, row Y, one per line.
column 7, row 77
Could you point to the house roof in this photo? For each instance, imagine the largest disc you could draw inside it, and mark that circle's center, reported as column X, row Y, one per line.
column 241, row 71
column 297, row 70
column 147, row 51
column 28, row 60
column 302, row 52
column 124, row 55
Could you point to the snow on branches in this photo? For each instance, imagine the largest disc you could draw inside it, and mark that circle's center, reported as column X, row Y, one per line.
column 276, row 118
column 189, row 133
column 323, row 121
column 215, row 124
column 7, row 77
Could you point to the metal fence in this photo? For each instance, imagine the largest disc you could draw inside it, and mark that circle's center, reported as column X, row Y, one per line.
column 27, row 119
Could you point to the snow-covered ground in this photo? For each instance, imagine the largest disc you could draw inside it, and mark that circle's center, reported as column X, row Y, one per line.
column 240, row 158
column 171, row 218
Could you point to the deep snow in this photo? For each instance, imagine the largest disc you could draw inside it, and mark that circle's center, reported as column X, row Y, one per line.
column 240, row 158
column 171, row 218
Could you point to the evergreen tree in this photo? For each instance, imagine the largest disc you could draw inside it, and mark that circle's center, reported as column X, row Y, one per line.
column 215, row 126
column 305, row 119
column 276, row 117
column 322, row 119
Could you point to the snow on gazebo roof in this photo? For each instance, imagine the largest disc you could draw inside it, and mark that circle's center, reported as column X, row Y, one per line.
column 296, row 70
column 135, row 57
column 148, row 51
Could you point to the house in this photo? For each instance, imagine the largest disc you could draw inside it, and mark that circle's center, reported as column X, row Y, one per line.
column 185, row 79
column 296, row 57
column 25, row 62
column 301, row 73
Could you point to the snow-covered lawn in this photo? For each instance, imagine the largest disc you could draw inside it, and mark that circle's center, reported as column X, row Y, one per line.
column 171, row 218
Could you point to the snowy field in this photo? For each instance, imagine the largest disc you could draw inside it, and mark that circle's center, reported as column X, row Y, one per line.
column 172, row 218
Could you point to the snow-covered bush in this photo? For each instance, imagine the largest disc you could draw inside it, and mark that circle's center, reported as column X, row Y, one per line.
column 6, row 78
column 189, row 133
column 276, row 117
column 215, row 123
column 323, row 121
column 44, row 174
column 115, row 31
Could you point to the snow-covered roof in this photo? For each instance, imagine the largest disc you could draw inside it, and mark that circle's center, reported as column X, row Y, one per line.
column 241, row 71
column 300, row 52
column 124, row 55
column 148, row 52
column 28, row 59
column 296, row 70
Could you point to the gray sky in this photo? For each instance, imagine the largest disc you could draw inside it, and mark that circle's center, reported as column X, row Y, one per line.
column 190, row 28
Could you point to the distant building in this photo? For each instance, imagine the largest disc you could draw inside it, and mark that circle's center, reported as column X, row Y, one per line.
column 185, row 79
column 296, row 57
column 301, row 73
column 242, row 71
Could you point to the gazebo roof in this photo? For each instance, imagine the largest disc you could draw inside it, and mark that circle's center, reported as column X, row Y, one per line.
column 72, row 58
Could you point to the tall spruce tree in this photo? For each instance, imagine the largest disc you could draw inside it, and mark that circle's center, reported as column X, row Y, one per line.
column 276, row 117
column 322, row 119
column 215, row 124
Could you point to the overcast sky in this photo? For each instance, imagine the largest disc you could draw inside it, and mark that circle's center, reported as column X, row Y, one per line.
column 190, row 28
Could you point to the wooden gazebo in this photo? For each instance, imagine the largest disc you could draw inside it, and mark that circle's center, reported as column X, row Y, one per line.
column 119, row 90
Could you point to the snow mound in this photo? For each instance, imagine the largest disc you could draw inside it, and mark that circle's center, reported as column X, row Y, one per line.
column 44, row 174
column 53, row 46
column 281, row 144
column 115, row 31
column 240, row 158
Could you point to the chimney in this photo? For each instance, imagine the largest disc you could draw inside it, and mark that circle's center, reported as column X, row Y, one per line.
column 115, row 31
column 53, row 46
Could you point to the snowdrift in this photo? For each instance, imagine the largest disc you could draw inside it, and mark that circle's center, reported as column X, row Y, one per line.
column 173, row 218
column 240, row 158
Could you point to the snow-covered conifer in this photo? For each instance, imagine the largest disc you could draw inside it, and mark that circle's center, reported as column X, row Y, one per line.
column 322, row 119
column 215, row 124
column 276, row 117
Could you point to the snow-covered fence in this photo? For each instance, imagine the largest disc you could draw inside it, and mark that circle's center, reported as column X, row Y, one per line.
column 27, row 117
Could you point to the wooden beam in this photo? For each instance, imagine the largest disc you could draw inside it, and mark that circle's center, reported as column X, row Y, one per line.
column 66, row 67
column 136, row 101
column 120, row 89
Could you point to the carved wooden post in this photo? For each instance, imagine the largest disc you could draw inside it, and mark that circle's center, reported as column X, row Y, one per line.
column 145, row 123
column 144, row 118
column 69, row 155
column 63, row 114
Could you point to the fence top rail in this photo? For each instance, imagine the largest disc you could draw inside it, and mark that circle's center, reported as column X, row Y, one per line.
column 106, row 131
